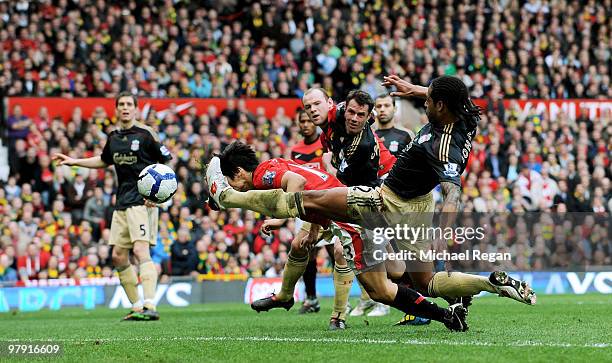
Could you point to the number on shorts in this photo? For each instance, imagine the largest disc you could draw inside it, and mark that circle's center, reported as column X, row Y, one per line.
column 349, row 252
column 143, row 230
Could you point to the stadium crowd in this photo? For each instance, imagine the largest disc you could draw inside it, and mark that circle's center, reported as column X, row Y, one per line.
column 54, row 220
column 535, row 48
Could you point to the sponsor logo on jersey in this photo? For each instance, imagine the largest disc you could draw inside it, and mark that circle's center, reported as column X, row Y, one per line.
column 408, row 146
column 124, row 159
column 135, row 145
column 424, row 138
column 393, row 146
column 451, row 170
column 268, row 178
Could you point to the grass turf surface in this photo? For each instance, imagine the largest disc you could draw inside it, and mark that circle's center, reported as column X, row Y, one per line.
column 559, row 328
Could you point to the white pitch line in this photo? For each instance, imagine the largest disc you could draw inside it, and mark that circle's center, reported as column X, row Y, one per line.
column 320, row 340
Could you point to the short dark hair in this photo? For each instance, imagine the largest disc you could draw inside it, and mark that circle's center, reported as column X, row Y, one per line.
column 362, row 98
column 237, row 155
column 126, row 94
column 381, row 96
column 455, row 95
column 301, row 112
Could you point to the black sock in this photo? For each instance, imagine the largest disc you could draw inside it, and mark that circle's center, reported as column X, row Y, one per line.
column 411, row 302
column 310, row 277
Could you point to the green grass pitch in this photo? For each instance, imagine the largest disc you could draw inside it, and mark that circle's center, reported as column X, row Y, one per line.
column 560, row 328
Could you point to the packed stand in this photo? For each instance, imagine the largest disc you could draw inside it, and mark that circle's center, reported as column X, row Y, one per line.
column 523, row 49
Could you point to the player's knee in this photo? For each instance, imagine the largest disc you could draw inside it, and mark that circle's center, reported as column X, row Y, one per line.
column 395, row 268
column 297, row 249
column 393, row 274
column 119, row 258
column 382, row 295
column 141, row 251
column 421, row 284
column 339, row 254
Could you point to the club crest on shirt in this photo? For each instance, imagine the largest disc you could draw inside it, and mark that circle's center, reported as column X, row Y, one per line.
column 424, row 138
column 135, row 145
column 451, row 170
column 268, row 178
column 393, row 146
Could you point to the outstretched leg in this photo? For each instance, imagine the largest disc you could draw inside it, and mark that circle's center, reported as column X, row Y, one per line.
column 294, row 269
column 381, row 289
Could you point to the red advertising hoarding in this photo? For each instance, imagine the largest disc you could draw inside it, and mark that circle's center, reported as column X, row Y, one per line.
column 261, row 287
column 571, row 107
column 63, row 107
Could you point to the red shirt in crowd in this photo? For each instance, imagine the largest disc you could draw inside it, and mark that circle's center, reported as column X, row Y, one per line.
column 308, row 154
column 33, row 265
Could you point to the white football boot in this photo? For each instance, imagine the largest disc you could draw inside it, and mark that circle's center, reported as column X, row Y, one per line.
column 514, row 289
column 380, row 310
column 361, row 308
column 216, row 182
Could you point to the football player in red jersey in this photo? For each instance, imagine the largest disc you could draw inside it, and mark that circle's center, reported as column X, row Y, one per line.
column 309, row 152
column 239, row 163
column 244, row 173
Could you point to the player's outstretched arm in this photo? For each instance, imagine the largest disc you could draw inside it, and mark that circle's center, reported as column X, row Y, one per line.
column 271, row 224
column 327, row 165
column 451, row 194
column 404, row 88
column 312, row 237
column 94, row 162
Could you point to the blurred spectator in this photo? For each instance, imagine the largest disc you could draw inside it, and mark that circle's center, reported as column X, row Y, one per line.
column 18, row 126
column 7, row 273
column 34, row 261
column 104, row 256
column 200, row 86
column 184, row 256
column 160, row 253
column 94, row 210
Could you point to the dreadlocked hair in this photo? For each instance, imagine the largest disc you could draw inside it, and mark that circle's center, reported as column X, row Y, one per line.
column 237, row 155
column 453, row 92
